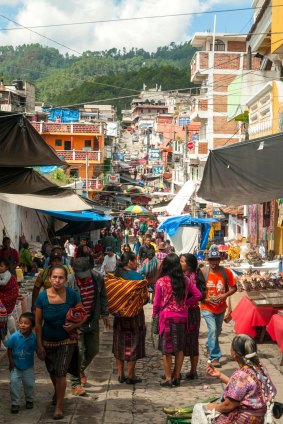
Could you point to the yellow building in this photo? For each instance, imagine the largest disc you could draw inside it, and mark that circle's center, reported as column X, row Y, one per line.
column 266, row 105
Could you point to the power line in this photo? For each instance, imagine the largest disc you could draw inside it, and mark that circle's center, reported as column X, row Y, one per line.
column 145, row 17
column 43, row 36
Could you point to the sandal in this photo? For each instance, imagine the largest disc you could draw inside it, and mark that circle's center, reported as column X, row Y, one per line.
column 167, row 383
column 133, row 380
column 58, row 416
column 192, row 375
column 83, row 379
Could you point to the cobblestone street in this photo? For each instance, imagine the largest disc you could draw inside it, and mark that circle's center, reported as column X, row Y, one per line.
column 109, row 402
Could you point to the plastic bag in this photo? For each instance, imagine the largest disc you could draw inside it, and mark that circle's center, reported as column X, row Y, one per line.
column 202, row 416
column 11, row 324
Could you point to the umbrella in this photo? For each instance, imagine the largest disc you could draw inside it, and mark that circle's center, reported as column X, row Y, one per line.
column 134, row 189
column 136, row 209
column 160, row 185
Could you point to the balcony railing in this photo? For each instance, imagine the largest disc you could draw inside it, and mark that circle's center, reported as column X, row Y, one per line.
column 50, row 127
column 93, row 183
column 80, row 155
column 199, row 62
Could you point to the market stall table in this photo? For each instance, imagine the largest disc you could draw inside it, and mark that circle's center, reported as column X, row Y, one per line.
column 247, row 316
column 275, row 330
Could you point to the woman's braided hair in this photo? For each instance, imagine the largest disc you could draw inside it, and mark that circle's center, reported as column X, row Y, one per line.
column 246, row 348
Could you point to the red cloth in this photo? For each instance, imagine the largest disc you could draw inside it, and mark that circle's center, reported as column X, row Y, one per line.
column 248, row 316
column 275, row 330
column 9, row 294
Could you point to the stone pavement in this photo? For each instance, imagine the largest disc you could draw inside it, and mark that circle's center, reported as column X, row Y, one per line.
column 109, row 402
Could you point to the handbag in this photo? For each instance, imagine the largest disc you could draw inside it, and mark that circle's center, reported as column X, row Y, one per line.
column 155, row 319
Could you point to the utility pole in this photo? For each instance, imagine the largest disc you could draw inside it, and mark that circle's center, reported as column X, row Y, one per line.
column 186, row 156
column 86, row 173
column 173, row 164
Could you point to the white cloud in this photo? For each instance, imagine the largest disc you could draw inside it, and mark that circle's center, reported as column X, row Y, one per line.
column 147, row 33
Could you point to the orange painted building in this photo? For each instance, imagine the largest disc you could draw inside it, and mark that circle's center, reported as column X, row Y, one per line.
column 77, row 144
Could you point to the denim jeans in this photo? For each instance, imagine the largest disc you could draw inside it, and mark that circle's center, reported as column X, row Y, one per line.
column 26, row 377
column 88, row 349
column 214, row 325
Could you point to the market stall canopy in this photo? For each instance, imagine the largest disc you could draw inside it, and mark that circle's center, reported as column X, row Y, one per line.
column 185, row 239
column 78, row 216
column 81, row 227
column 244, row 173
column 177, row 205
column 21, row 144
column 59, row 200
column 26, row 187
column 172, row 223
column 22, row 181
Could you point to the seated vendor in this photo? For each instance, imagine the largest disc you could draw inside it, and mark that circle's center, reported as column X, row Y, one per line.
column 249, row 391
column 43, row 281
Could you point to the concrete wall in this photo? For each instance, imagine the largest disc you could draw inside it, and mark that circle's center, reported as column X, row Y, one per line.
column 18, row 220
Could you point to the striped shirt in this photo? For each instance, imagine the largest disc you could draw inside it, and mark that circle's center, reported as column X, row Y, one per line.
column 87, row 293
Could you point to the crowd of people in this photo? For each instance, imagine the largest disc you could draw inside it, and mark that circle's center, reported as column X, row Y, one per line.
column 72, row 293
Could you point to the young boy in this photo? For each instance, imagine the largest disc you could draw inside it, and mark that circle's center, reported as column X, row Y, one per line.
column 21, row 347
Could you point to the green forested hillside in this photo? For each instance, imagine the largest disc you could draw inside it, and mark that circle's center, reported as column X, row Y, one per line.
column 64, row 79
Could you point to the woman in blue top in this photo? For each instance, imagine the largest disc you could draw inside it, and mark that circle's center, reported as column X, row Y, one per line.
column 54, row 343
column 128, row 333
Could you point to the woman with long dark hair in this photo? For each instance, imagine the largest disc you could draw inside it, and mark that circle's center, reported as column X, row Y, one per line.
column 190, row 268
column 174, row 292
column 249, row 392
column 129, row 333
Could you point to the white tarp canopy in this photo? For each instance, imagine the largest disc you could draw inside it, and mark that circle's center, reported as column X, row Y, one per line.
column 185, row 240
column 176, row 206
column 70, row 202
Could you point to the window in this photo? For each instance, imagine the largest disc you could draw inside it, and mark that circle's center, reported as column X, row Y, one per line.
column 74, row 173
column 67, row 145
column 87, row 143
column 58, row 143
column 219, row 46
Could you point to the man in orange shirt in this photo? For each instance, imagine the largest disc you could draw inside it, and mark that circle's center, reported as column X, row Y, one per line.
column 220, row 284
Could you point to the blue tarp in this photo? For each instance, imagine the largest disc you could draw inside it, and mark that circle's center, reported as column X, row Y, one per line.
column 171, row 225
column 47, row 169
column 65, row 115
column 78, row 216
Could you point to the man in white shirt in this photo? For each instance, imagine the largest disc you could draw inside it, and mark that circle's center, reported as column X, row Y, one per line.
column 70, row 248
column 109, row 262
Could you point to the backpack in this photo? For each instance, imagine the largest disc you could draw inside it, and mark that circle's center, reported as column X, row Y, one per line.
column 223, row 273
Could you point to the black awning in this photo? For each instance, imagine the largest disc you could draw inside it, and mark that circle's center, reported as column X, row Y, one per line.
column 245, row 173
column 21, row 145
column 23, row 181
column 81, row 227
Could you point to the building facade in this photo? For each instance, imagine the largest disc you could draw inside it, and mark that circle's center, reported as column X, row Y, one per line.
column 82, row 147
column 215, row 66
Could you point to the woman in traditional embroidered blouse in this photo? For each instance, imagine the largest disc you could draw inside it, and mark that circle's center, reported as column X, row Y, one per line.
column 174, row 292
column 249, row 390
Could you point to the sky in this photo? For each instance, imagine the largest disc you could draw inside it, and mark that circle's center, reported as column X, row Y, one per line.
column 146, row 33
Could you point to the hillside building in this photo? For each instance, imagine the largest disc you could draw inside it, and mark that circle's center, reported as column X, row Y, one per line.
column 17, row 97
column 81, row 146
